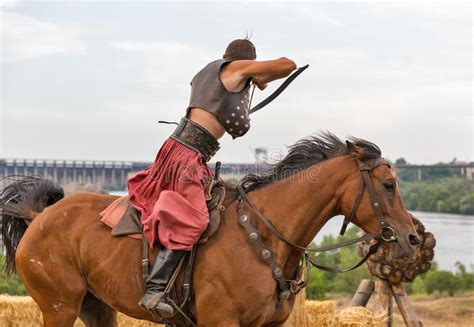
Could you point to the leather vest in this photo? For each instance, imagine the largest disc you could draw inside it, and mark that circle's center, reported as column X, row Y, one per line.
column 230, row 108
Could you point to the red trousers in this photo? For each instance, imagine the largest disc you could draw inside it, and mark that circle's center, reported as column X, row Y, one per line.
column 170, row 197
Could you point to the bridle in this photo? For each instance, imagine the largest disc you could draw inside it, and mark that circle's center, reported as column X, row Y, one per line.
column 287, row 287
column 386, row 233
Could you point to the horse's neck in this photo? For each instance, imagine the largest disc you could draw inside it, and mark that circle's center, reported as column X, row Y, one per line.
column 300, row 205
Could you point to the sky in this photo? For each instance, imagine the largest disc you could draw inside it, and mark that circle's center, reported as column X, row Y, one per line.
column 90, row 80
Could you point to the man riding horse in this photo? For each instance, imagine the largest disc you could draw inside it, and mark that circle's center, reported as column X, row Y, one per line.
column 170, row 194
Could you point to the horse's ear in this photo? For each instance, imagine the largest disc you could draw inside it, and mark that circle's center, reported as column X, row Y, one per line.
column 393, row 170
column 355, row 150
column 352, row 148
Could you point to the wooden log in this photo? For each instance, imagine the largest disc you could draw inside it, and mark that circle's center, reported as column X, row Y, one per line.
column 429, row 241
column 404, row 305
column 425, row 266
column 409, row 274
column 383, row 300
column 395, row 276
column 428, row 254
column 386, row 270
column 362, row 295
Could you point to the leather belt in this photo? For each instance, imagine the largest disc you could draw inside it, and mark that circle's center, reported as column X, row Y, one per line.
column 196, row 137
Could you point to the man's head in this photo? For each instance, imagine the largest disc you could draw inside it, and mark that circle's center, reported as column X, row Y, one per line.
column 240, row 49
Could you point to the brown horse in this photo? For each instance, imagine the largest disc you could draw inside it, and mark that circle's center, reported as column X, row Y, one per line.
column 73, row 267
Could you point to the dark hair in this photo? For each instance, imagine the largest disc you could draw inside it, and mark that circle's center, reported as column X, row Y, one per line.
column 240, row 49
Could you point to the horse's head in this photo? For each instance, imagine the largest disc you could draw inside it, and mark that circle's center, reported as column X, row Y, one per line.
column 381, row 208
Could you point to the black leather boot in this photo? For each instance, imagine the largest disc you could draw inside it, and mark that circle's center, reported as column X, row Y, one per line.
column 153, row 300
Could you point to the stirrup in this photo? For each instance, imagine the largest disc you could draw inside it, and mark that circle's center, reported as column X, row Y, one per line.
column 153, row 304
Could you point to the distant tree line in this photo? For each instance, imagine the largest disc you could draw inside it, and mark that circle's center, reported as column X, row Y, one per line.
column 443, row 281
column 442, row 189
column 448, row 194
column 428, row 173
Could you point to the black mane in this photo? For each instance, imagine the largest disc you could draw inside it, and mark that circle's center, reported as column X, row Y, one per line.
column 308, row 152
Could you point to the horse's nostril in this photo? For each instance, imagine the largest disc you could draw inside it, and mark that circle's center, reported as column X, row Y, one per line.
column 414, row 240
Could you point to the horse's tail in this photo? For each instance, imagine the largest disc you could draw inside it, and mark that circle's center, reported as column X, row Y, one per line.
column 21, row 201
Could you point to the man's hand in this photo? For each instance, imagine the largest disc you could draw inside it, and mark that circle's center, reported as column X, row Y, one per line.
column 260, row 84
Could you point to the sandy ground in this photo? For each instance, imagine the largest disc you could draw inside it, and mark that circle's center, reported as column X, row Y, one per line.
column 434, row 310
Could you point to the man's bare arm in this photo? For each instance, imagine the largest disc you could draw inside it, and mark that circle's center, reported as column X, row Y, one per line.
column 269, row 78
column 237, row 72
column 263, row 69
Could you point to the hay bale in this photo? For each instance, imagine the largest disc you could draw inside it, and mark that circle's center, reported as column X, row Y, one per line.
column 359, row 317
column 127, row 321
column 19, row 311
column 320, row 313
column 298, row 317
column 22, row 311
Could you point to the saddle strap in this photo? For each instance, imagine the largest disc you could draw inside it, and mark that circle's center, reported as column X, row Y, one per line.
column 145, row 260
column 188, row 274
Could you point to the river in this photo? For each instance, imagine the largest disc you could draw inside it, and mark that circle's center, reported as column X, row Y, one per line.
column 454, row 236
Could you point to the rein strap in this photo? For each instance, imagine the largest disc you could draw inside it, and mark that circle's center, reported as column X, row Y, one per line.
column 372, row 249
column 279, row 235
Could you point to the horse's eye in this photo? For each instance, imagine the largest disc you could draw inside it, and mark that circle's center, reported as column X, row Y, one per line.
column 389, row 186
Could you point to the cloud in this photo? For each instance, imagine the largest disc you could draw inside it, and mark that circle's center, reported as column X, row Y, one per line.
column 24, row 37
column 317, row 16
column 302, row 10
column 167, row 64
column 8, row 3
column 459, row 12
column 150, row 47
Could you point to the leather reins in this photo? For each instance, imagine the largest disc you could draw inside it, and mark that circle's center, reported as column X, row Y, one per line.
column 386, row 233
